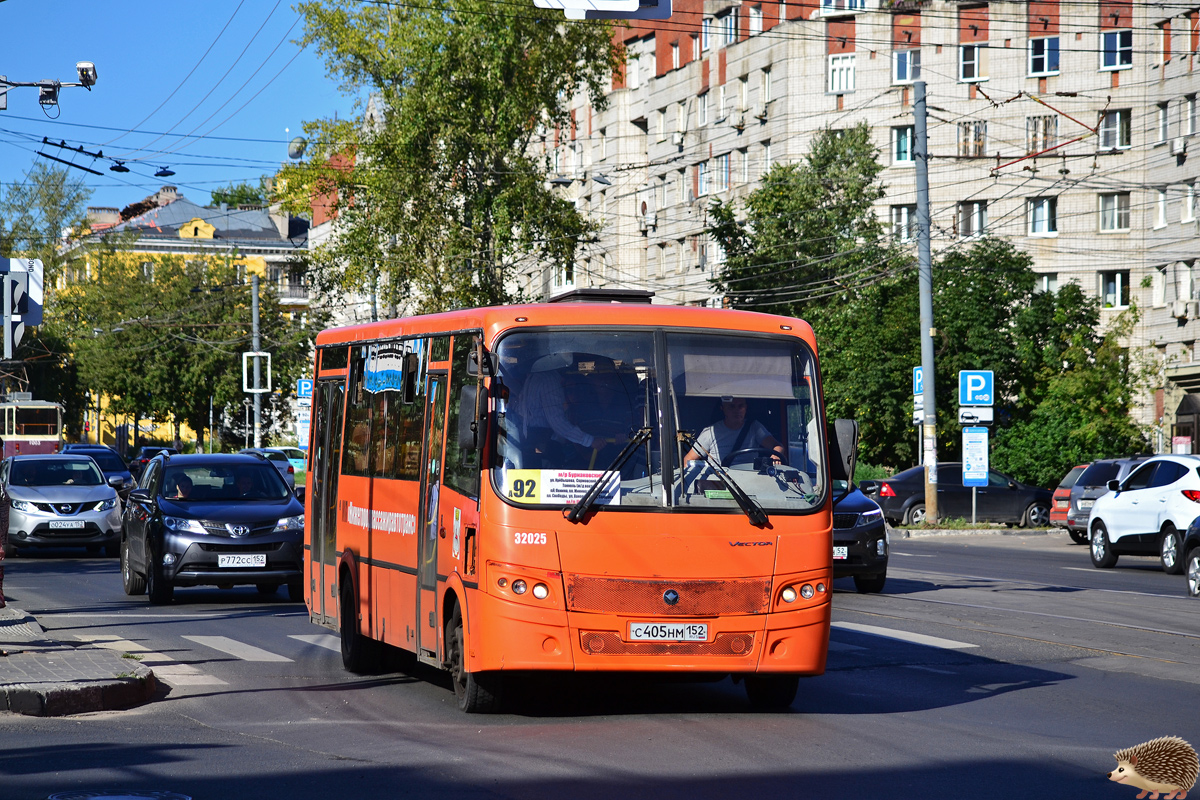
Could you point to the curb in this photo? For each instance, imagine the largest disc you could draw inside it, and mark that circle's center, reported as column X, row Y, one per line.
column 919, row 534
column 64, row 699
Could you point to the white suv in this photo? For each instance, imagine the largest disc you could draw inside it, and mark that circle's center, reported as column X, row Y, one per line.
column 1147, row 513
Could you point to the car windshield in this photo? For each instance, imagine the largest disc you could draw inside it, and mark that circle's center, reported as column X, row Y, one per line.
column 222, row 482
column 55, row 472
column 109, row 462
column 1099, row 473
column 1071, row 477
column 745, row 408
column 294, row 453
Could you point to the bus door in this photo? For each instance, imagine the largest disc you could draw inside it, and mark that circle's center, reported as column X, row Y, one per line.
column 430, row 528
column 326, row 445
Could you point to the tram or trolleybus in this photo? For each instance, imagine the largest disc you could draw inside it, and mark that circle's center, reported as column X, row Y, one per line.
column 575, row 486
column 30, row 427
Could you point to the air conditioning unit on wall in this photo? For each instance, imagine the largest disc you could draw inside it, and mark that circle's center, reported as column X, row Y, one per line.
column 1178, row 146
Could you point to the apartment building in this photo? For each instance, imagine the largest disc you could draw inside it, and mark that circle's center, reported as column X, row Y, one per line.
column 1067, row 127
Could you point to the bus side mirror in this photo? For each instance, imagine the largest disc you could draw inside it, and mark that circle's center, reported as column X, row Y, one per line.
column 468, row 426
column 489, row 364
column 843, row 449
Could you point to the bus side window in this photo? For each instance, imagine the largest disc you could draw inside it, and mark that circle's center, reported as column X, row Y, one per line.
column 462, row 459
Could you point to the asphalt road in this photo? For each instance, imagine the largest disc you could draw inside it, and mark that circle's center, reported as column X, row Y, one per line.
column 990, row 667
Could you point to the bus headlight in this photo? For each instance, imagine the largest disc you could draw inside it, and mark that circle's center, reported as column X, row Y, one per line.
column 541, row 591
column 519, row 586
column 806, row 591
column 788, row 594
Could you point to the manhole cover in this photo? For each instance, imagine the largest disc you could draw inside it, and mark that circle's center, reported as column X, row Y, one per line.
column 119, row 796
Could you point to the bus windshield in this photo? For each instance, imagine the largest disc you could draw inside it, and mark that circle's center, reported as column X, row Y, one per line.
column 732, row 408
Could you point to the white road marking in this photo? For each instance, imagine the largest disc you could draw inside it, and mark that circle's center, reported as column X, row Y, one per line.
column 237, row 649
column 169, row 670
column 842, row 647
column 910, row 555
column 326, row 640
column 929, row 669
column 904, row 636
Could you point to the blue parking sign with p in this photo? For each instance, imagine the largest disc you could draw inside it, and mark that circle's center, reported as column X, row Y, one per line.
column 918, row 384
column 304, row 387
column 975, row 387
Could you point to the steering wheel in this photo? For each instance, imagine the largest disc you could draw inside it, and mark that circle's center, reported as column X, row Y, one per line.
column 756, row 450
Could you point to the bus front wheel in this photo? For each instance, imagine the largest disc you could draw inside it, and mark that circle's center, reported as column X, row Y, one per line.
column 772, row 692
column 476, row 692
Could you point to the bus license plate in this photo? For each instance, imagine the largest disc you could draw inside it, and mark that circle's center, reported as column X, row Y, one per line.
column 242, row 560
column 668, row 631
column 840, row 553
column 66, row 523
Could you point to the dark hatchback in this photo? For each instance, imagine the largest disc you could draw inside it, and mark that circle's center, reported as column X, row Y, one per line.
column 110, row 464
column 860, row 540
column 902, row 498
column 218, row 520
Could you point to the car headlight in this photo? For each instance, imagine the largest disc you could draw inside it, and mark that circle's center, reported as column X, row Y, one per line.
column 181, row 525
column 290, row 524
column 106, row 505
column 867, row 517
column 22, row 505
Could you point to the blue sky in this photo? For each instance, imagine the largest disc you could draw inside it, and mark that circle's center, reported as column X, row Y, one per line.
column 143, row 55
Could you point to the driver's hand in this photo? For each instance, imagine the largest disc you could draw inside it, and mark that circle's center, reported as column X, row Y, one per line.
column 598, row 443
column 775, row 458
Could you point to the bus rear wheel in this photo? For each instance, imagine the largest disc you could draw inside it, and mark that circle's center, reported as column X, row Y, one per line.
column 476, row 692
column 360, row 654
column 772, row 692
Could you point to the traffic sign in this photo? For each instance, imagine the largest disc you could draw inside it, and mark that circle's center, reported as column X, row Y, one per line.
column 304, row 387
column 975, row 387
column 975, row 415
column 975, row 456
column 918, row 383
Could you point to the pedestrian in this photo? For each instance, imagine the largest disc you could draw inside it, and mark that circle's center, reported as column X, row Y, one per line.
column 4, row 508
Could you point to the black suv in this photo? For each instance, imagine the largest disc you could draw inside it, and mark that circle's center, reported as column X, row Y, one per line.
column 214, row 520
column 860, row 539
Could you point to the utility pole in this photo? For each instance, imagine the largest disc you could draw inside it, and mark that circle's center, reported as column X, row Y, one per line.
column 257, row 364
column 925, row 284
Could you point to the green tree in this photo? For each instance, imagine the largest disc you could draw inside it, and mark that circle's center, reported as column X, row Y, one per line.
column 809, row 233
column 441, row 199
column 243, row 194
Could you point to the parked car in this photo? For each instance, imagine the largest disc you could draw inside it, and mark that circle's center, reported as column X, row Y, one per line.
column 1147, row 512
column 60, row 501
column 67, row 448
column 1092, row 484
column 1060, row 510
column 860, row 540
column 142, row 457
column 902, row 498
column 279, row 461
column 298, row 459
column 213, row 519
column 110, row 464
column 1191, row 559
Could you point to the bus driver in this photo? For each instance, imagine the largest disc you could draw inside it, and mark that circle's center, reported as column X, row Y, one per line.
column 733, row 436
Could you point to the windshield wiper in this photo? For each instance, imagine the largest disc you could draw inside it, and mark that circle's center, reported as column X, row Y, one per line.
column 752, row 509
column 577, row 511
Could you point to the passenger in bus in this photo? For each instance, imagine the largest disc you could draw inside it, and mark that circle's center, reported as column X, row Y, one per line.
column 546, row 431
column 734, row 439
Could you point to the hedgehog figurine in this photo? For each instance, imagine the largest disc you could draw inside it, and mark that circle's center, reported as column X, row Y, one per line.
column 1161, row 766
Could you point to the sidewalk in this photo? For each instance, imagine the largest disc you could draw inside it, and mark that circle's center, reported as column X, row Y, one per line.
column 995, row 530
column 45, row 678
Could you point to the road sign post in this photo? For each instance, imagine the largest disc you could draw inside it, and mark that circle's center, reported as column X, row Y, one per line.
column 974, row 461
column 976, row 387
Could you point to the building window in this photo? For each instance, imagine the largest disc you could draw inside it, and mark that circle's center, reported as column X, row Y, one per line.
column 1115, row 129
column 906, row 66
column 681, row 117
column 695, row 48
column 970, row 62
column 721, row 178
column 1114, row 211
column 972, row 138
column 904, row 223
column 766, row 165
column 843, row 5
column 660, row 124
column 1041, row 133
column 972, row 218
column 1114, row 288
column 702, row 109
column 841, row 74
column 1163, row 112
column 1116, row 49
column 706, row 34
column 902, row 145
column 744, row 161
column 766, row 86
column 744, row 94
column 702, row 179
column 1043, row 56
column 1188, row 212
column 1048, row 282
column 1160, row 208
column 727, row 25
column 1187, row 122
column 603, row 145
column 675, row 56
column 721, row 105
column 1043, row 216
column 633, row 72
column 755, row 20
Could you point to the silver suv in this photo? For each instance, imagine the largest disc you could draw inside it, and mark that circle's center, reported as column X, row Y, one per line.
column 61, row 501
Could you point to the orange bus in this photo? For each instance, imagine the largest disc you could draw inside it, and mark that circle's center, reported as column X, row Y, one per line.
column 562, row 486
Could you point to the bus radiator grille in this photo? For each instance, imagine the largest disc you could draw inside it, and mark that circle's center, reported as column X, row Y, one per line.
column 608, row 643
column 696, row 598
